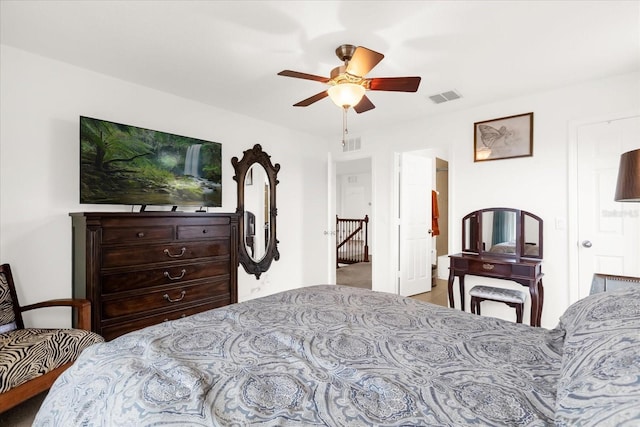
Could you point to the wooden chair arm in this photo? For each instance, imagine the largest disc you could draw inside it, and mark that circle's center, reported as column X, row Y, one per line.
column 83, row 307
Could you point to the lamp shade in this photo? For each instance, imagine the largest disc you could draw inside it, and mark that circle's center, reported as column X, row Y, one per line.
column 346, row 94
column 628, row 188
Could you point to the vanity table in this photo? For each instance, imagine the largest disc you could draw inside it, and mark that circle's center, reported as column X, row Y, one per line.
column 501, row 243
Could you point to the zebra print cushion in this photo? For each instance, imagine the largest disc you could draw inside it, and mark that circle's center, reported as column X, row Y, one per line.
column 7, row 316
column 29, row 353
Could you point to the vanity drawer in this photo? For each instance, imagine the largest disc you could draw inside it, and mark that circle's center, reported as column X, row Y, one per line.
column 136, row 234
column 144, row 278
column 114, row 330
column 489, row 268
column 526, row 271
column 459, row 263
column 166, row 298
column 136, row 255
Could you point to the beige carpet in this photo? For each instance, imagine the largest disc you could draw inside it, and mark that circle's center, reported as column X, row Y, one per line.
column 23, row 414
column 359, row 276
column 356, row 275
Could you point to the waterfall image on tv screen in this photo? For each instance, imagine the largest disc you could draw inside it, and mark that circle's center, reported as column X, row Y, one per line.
column 122, row 164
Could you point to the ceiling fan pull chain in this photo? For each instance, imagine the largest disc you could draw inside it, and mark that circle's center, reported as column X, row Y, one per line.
column 345, row 131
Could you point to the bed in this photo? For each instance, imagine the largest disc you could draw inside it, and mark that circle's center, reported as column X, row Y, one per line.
column 342, row 356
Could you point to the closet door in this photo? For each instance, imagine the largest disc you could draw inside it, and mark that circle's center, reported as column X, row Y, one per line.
column 608, row 231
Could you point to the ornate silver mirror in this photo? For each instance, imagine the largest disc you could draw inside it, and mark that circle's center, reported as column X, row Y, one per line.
column 256, row 178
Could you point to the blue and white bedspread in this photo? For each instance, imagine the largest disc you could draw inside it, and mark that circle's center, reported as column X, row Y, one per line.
column 317, row 356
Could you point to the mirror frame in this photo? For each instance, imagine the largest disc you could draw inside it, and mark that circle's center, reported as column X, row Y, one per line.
column 249, row 158
column 475, row 238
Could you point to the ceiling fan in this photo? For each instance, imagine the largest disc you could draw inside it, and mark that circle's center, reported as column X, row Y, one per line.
column 348, row 82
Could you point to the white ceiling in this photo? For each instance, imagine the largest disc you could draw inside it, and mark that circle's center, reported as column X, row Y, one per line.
column 228, row 53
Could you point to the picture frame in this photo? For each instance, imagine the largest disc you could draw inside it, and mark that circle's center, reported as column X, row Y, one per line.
column 503, row 138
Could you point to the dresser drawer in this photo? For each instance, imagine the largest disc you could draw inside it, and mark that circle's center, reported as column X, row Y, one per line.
column 114, row 330
column 166, row 298
column 136, row 234
column 190, row 232
column 489, row 268
column 145, row 278
column 154, row 253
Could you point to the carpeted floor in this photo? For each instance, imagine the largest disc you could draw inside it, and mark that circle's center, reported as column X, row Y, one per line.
column 359, row 276
column 23, row 414
column 356, row 275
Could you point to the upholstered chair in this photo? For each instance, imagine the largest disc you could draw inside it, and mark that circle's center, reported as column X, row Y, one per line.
column 31, row 359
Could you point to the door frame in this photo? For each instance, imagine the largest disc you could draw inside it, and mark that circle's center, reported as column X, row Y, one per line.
column 332, row 182
column 330, row 232
column 572, row 170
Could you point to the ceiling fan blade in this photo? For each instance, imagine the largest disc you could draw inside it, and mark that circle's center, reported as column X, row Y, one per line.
column 395, row 84
column 315, row 98
column 299, row 75
column 363, row 61
column 365, row 104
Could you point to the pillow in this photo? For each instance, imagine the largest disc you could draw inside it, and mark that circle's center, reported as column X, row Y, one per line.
column 7, row 316
column 600, row 375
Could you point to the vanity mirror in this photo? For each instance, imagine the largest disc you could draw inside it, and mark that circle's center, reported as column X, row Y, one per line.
column 256, row 178
column 502, row 232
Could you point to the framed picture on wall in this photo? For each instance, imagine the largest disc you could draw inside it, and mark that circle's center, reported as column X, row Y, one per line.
column 503, row 138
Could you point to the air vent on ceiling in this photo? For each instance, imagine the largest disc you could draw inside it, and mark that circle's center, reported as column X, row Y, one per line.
column 449, row 95
column 352, row 144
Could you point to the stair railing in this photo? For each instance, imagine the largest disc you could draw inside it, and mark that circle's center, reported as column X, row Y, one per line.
column 352, row 241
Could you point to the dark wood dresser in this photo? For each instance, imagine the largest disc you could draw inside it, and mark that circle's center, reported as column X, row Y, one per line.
column 139, row 269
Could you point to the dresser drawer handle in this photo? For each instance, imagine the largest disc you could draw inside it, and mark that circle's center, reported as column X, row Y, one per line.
column 168, row 275
column 488, row 266
column 182, row 251
column 168, row 298
column 140, row 234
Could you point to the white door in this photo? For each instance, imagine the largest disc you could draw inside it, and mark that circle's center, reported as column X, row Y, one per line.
column 415, row 224
column 608, row 231
column 354, row 203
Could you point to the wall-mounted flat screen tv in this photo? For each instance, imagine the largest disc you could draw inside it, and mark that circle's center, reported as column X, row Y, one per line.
column 123, row 164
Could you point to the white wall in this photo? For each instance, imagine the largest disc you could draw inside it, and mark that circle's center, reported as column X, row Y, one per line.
column 538, row 184
column 41, row 101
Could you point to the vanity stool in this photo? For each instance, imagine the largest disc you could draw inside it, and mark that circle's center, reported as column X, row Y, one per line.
column 511, row 297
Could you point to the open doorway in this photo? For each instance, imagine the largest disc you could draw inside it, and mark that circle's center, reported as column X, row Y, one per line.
column 440, row 259
column 354, row 249
column 422, row 200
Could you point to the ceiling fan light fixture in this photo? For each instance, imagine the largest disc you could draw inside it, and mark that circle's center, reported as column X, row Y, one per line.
column 348, row 84
column 346, row 95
